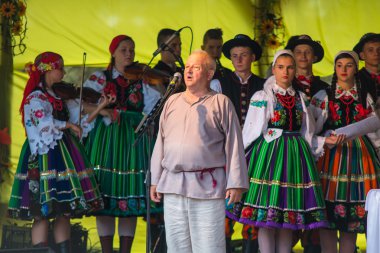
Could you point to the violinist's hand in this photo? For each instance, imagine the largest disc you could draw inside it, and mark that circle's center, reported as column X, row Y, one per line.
column 77, row 130
column 335, row 139
column 105, row 100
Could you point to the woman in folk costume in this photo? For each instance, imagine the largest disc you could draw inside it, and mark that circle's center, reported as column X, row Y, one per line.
column 351, row 169
column 285, row 192
column 120, row 166
column 54, row 178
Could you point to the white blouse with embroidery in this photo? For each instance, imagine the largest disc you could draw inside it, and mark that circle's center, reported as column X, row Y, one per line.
column 261, row 110
column 73, row 107
column 42, row 129
column 97, row 81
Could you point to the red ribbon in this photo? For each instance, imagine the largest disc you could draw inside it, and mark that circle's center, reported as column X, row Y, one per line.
column 57, row 103
column 304, row 78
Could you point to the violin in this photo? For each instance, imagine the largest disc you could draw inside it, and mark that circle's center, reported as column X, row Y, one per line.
column 139, row 71
column 66, row 90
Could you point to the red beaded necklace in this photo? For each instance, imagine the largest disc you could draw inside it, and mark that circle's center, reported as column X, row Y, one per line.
column 288, row 102
column 347, row 100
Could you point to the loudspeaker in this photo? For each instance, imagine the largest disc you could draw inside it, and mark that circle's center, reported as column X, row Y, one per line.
column 28, row 250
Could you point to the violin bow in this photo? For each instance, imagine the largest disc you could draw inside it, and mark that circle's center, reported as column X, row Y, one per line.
column 81, row 88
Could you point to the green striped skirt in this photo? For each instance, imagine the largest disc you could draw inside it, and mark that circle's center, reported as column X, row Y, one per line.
column 285, row 190
column 120, row 166
column 61, row 182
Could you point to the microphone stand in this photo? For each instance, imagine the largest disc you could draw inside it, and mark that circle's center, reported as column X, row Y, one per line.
column 146, row 126
column 178, row 58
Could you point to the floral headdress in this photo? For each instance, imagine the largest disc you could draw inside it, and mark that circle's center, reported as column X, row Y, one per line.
column 43, row 63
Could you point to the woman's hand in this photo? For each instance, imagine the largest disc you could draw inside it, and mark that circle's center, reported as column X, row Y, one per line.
column 106, row 99
column 75, row 129
column 110, row 113
column 335, row 139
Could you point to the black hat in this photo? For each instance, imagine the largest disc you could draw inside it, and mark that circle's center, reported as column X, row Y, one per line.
column 306, row 40
column 242, row 40
column 358, row 48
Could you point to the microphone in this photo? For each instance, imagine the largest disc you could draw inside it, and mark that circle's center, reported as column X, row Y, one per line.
column 166, row 43
column 176, row 79
column 156, row 110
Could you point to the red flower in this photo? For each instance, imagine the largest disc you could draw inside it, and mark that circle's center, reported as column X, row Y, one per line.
column 332, row 108
column 93, row 77
column 247, row 212
column 340, row 210
column 362, row 112
column 360, row 211
column 101, row 81
column 276, row 116
column 292, row 217
column 133, row 98
column 34, row 174
column 323, row 105
column 123, row 205
column 39, row 114
column 110, row 89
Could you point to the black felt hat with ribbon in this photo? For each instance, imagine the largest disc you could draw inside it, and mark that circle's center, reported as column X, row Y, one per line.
column 242, row 40
column 306, row 40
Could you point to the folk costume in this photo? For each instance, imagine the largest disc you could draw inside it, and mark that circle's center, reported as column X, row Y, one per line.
column 348, row 171
column 285, row 191
column 54, row 176
column 119, row 165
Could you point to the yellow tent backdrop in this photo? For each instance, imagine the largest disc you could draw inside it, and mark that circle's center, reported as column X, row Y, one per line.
column 72, row 27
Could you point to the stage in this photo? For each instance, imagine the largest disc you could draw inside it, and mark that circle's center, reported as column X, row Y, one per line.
column 93, row 245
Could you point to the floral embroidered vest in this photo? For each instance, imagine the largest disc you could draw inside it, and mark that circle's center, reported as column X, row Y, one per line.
column 344, row 111
column 287, row 113
column 129, row 93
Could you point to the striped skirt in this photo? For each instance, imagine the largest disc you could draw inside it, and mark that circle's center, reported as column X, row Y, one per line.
column 285, row 190
column 120, row 166
column 61, row 182
column 348, row 173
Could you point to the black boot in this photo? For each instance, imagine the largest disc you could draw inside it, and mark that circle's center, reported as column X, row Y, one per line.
column 107, row 243
column 250, row 246
column 228, row 245
column 64, row 247
column 40, row 245
column 125, row 244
